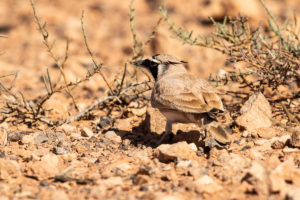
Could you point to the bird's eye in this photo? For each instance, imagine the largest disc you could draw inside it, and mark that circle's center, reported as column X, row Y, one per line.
column 149, row 63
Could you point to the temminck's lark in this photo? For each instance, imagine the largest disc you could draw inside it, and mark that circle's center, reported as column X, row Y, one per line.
column 182, row 98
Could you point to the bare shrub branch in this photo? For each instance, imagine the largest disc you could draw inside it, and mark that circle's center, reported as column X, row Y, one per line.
column 119, row 93
column 32, row 111
column 138, row 46
column 109, row 99
column 42, row 27
column 97, row 67
column 272, row 63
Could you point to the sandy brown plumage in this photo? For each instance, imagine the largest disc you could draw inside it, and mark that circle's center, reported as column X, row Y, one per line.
column 184, row 92
column 181, row 97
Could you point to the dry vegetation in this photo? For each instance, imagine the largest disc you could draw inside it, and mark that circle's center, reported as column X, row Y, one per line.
column 80, row 127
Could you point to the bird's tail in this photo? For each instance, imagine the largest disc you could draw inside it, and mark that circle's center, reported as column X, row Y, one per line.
column 219, row 133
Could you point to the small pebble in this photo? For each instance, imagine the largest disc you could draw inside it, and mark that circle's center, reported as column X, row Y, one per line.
column 245, row 147
column 61, row 150
column 44, row 183
column 143, row 188
column 105, row 121
column 277, row 144
column 86, row 132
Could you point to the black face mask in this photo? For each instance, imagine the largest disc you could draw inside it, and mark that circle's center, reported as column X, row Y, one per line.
column 152, row 66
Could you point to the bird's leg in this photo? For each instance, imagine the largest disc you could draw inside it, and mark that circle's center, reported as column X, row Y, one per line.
column 168, row 130
column 203, row 125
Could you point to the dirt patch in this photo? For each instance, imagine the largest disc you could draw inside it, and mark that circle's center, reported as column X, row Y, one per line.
column 99, row 157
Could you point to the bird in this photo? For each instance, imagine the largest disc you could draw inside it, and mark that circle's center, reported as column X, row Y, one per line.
column 183, row 98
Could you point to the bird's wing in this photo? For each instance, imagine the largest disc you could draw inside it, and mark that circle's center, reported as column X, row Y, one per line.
column 185, row 93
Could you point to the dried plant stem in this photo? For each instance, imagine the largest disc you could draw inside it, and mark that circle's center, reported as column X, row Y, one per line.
column 104, row 100
column 272, row 63
column 7, row 75
column 136, row 44
column 138, row 47
column 153, row 33
column 274, row 19
column 29, row 112
column 63, row 63
column 8, row 90
column 44, row 32
column 123, row 78
column 291, row 117
column 277, row 123
column 96, row 66
column 5, row 89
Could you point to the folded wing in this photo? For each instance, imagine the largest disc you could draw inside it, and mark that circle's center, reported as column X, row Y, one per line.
column 186, row 93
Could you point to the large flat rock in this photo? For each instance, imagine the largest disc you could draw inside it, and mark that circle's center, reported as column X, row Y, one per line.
column 255, row 113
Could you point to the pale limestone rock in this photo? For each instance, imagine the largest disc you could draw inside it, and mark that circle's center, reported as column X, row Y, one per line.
column 258, row 176
column 193, row 146
column 46, row 168
column 286, row 171
column 59, row 195
column 67, row 128
column 266, row 143
column 122, row 169
column 295, row 141
column 169, row 152
column 267, row 133
column 207, row 185
column 27, row 139
column 124, row 124
column 293, row 194
column 3, row 136
column 86, row 132
column 112, row 136
column 155, row 121
column 9, row 169
column 280, row 142
column 290, row 150
column 111, row 182
column 167, row 197
column 256, row 113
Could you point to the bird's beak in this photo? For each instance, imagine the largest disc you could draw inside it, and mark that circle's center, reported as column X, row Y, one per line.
column 138, row 63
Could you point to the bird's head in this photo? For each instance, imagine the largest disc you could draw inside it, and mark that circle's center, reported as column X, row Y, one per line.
column 158, row 64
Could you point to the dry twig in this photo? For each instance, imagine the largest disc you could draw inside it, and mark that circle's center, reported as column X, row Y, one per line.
column 272, row 64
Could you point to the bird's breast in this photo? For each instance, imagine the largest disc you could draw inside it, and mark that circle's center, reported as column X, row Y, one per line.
column 181, row 117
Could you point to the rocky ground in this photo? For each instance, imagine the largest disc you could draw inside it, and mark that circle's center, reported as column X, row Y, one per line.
column 95, row 159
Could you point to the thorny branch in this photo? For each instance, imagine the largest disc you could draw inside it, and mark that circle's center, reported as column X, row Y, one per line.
column 32, row 111
column 139, row 46
column 97, row 67
column 108, row 99
column 271, row 57
column 121, row 88
column 271, row 63
column 42, row 27
column 29, row 112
